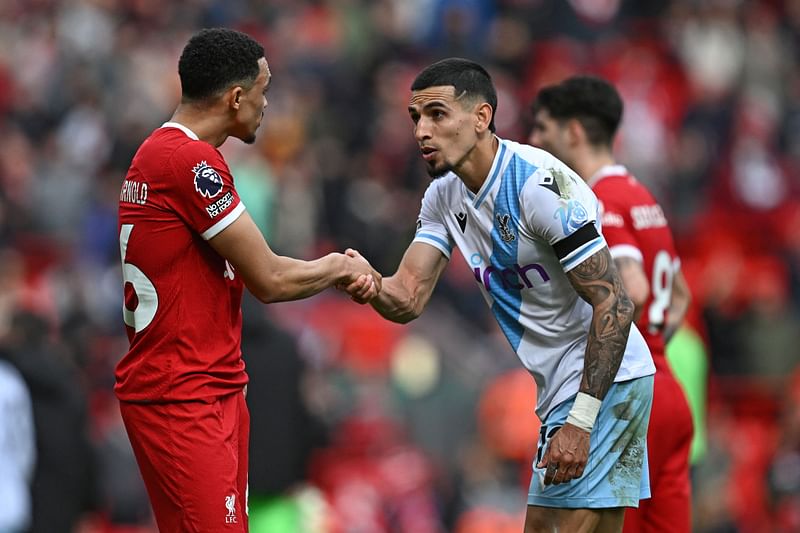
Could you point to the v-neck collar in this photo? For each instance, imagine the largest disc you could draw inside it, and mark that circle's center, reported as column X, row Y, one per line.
column 494, row 172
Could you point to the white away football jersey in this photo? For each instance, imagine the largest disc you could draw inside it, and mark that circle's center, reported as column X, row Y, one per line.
column 530, row 223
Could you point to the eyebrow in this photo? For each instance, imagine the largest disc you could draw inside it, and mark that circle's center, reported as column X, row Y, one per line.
column 428, row 105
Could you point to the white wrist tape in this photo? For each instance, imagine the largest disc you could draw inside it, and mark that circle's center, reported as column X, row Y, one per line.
column 584, row 411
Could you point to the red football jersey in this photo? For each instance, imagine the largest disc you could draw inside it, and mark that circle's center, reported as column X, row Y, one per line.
column 635, row 226
column 182, row 306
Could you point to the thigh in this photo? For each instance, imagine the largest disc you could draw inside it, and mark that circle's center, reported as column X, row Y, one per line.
column 549, row 520
column 616, row 472
column 189, row 457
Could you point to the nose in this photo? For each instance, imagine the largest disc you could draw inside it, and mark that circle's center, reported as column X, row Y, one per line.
column 421, row 130
column 533, row 138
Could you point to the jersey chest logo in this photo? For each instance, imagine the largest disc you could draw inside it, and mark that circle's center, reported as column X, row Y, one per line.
column 505, row 231
column 206, row 180
column 461, row 218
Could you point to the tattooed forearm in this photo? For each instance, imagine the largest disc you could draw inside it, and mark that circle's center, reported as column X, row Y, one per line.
column 597, row 281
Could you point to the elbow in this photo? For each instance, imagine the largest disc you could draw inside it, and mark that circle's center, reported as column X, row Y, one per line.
column 266, row 291
column 638, row 291
column 639, row 298
column 265, row 296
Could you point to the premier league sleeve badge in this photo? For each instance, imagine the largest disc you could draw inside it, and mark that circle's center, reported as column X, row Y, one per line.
column 206, row 180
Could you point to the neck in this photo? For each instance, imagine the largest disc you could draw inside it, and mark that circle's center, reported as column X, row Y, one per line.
column 474, row 168
column 591, row 161
column 203, row 121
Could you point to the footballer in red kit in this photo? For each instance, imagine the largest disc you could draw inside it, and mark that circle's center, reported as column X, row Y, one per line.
column 576, row 120
column 182, row 313
column 635, row 227
column 188, row 249
column 182, row 299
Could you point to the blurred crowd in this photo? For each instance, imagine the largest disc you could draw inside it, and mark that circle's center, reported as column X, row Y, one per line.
column 359, row 425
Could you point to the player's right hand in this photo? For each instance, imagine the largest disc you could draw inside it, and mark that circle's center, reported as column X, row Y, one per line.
column 566, row 455
column 365, row 286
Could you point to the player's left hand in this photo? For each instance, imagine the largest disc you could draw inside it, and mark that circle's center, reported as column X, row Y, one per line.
column 566, row 455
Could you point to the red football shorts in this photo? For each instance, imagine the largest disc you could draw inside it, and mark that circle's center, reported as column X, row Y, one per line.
column 193, row 459
column 669, row 437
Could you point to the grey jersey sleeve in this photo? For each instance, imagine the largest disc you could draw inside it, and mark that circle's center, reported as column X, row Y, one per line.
column 431, row 228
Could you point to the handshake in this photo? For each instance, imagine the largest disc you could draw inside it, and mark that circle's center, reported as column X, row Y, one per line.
column 361, row 281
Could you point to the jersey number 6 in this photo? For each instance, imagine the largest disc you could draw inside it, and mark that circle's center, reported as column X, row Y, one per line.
column 144, row 290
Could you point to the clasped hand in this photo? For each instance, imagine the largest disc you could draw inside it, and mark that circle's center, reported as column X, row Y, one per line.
column 365, row 283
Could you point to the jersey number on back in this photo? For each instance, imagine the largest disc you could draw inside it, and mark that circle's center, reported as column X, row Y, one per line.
column 144, row 298
column 661, row 286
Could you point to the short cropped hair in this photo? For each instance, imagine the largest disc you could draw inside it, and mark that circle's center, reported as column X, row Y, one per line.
column 593, row 102
column 214, row 60
column 467, row 77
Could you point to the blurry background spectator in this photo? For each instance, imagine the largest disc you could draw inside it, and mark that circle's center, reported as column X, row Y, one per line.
column 399, row 428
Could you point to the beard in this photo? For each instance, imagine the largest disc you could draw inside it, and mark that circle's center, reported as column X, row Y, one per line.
column 437, row 172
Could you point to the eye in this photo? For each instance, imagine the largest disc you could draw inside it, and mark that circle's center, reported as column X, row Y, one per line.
column 437, row 114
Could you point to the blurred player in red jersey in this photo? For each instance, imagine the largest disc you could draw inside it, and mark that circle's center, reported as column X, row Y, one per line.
column 188, row 249
column 576, row 120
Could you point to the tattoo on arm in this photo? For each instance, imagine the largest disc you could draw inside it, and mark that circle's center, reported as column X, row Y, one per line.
column 596, row 280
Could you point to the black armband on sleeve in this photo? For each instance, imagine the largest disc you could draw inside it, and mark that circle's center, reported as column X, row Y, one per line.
column 567, row 245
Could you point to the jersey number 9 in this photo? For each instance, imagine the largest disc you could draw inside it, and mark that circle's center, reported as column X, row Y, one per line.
column 661, row 287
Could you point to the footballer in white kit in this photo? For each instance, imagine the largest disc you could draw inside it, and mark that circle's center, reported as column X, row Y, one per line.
column 528, row 228
column 519, row 235
column 533, row 220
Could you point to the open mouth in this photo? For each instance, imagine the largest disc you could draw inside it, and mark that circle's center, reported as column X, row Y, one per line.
column 428, row 153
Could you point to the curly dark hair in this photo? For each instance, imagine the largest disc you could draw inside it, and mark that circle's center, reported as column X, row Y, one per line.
column 215, row 59
column 592, row 101
column 465, row 76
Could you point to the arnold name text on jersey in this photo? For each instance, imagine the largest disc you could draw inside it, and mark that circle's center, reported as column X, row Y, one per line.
column 133, row 192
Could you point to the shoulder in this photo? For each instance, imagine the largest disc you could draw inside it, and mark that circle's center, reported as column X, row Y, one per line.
column 171, row 149
column 616, row 181
column 555, row 181
column 541, row 164
column 534, row 166
column 202, row 161
column 535, row 157
column 190, row 149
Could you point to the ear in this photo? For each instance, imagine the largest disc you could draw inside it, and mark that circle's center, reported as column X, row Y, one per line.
column 234, row 97
column 575, row 132
column 483, row 114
